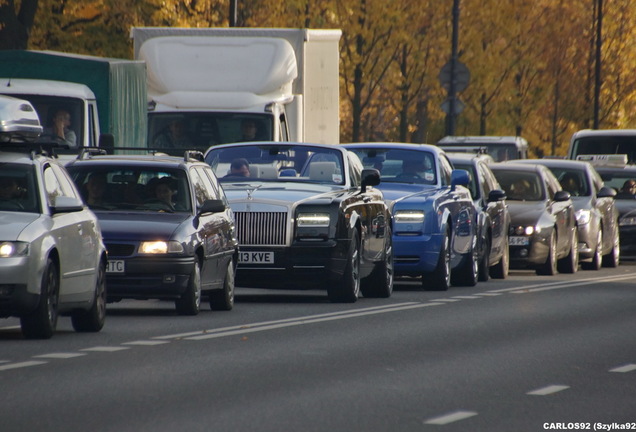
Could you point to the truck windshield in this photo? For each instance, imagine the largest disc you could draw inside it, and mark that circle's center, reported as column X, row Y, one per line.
column 200, row 130
column 605, row 144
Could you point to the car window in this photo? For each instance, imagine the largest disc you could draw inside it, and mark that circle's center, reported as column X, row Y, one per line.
column 18, row 188
column 573, row 181
column 202, row 188
column 445, row 170
column 473, row 185
column 521, row 185
column 213, row 191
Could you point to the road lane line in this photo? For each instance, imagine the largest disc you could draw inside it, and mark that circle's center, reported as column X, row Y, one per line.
column 248, row 329
column 105, row 348
column 21, row 365
column 466, row 297
column 264, row 323
column 626, row 368
column 586, row 281
column 446, row 300
column 146, row 342
column 548, row 390
column 59, row 355
column 451, row 417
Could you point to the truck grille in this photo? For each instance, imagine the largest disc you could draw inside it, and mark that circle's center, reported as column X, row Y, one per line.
column 261, row 228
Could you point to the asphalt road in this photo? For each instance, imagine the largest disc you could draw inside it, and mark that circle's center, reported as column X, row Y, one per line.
column 527, row 353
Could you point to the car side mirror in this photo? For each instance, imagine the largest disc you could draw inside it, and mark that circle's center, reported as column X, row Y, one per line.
column 606, row 192
column 212, row 206
column 496, row 195
column 561, row 196
column 107, row 142
column 64, row 204
column 370, row 177
column 459, row 177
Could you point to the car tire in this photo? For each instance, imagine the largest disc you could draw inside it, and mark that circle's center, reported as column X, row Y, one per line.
column 379, row 283
column 549, row 268
column 570, row 263
column 469, row 274
column 347, row 289
column 597, row 259
column 502, row 268
column 190, row 302
column 612, row 259
column 484, row 269
column 93, row 319
column 223, row 299
column 41, row 323
column 440, row 278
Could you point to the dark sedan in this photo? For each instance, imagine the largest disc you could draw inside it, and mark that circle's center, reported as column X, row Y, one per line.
column 307, row 216
column 493, row 217
column 167, row 228
column 543, row 231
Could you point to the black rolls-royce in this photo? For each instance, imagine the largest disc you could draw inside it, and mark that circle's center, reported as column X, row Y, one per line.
column 307, row 216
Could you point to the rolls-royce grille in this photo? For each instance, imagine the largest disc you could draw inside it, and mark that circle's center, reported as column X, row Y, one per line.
column 261, row 228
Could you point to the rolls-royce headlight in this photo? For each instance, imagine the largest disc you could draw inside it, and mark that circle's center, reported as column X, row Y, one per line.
column 13, row 249
column 583, row 216
column 313, row 219
column 160, row 247
column 409, row 216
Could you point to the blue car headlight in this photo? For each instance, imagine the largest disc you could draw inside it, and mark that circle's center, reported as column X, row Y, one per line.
column 13, row 249
column 160, row 247
column 409, row 216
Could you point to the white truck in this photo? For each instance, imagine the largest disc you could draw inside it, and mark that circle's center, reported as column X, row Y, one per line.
column 206, row 84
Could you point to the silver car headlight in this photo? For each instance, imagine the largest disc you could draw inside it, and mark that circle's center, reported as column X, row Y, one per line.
column 313, row 219
column 525, row 230
column 13, row 249
column 160, row 247
column 583, row 216
column 409, row 216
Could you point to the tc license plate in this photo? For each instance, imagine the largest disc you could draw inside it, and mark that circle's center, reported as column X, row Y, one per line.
column 519, row 241
column 256, row 257
column 116, row 266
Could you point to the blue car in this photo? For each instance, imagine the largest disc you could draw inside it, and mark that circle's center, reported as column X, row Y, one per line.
column 433, row 212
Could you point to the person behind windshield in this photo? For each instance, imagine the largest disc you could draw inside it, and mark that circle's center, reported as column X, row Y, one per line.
column 175, row 136
column 95, row 188
column 9, row 188
column 239, row 168
column 248, row 130
column 570, row 183
column 628, row 191
column 61, row 127
column 412, row 169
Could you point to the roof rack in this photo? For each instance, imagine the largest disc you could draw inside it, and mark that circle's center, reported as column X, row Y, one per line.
column 193, row 154
column 606, row 160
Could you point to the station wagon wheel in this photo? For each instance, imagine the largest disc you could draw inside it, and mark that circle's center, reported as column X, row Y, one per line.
column 93, row 319
column 190, row 301
column 347, row 289
column 484, row 269
column 441, row 276
column 41, row 323
column 379, row 283
column 501, row 269
column 570, row 263
column 549, row 268
column 224, row 299
column 598, row 254
column 612, row 259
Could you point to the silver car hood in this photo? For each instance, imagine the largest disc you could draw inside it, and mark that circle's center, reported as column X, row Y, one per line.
column 12, row 224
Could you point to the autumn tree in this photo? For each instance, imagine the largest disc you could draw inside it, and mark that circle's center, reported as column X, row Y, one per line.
column 16, row 22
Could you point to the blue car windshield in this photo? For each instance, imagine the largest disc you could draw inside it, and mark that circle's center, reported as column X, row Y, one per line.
column 277, row 163
column 115, row 188
column 18, row 188
column 400, row 165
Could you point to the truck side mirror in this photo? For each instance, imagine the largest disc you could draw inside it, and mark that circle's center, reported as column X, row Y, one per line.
column 107, row 142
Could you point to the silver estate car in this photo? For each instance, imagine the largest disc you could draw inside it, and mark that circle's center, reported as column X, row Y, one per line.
column 52, row 258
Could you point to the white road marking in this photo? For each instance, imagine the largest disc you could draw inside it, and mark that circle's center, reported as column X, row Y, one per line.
column 59, row 355
column 489, row 294
column 466, row 297
column 146, row 342
column 105, row 348
column 21, row 365
column 17, row 327
column 562, row 284
column 446, row 300
column 623, row 369
column 451, row 417
column 548, row 390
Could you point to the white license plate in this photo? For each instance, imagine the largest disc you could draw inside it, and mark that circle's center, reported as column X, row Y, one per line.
column 256, row 257
column 518, row 241
column 116, row 266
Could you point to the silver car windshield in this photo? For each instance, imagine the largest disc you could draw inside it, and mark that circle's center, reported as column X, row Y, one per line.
column 18, row 188
column 521, row 185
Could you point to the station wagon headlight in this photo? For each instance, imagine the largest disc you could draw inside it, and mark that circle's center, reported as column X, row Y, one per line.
column 583, row 216
column 13, row 249
column 313, row 219
column 160, row 247
column 409, row 216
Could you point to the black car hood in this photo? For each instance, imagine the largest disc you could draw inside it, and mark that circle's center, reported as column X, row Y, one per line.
column 525, row 212
column 137, row 226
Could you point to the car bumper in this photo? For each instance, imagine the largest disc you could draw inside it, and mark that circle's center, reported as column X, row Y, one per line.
column 587, row 241
column 303, row 265
column 145, row 278
column 531, row 255
column 414, row 255
column 15, row 297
